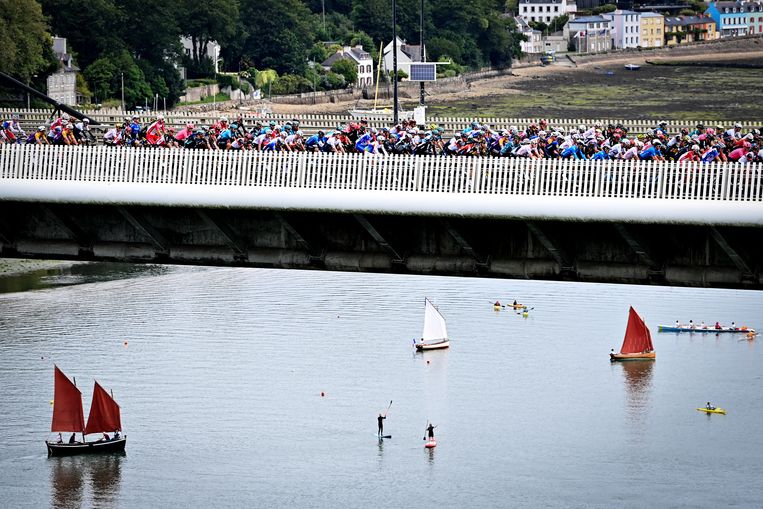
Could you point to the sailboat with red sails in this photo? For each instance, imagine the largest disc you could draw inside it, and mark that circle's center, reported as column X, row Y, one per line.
column 68, row 417
column 637, row 344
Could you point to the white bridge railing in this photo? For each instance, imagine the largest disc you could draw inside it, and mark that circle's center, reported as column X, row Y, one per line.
column 387, row 184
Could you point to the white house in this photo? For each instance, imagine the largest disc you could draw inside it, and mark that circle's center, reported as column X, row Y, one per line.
column 213, row 51
column 406, row 53
column 62, row 84
column 362, row 60
column 546, row 10
column 625, row 28
column 534, row 42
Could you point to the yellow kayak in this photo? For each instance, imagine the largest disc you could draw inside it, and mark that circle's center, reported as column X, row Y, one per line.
column 716, row 410
column 496, row 307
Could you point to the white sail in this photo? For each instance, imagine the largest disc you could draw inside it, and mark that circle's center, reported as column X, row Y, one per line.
column 434, row 324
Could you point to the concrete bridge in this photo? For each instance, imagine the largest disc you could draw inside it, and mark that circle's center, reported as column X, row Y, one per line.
column 605, row 221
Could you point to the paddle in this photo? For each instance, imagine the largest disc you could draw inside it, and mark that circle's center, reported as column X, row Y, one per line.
column 425, row 431
column 390, row 405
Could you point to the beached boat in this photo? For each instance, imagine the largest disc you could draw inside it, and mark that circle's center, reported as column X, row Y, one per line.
column 686, row 328
column 68, row 417
column 637, row 344
column 632, row 67
column 435, row 335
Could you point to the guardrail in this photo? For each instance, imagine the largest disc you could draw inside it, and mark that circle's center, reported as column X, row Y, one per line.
column 315, row 122
column 730, row 182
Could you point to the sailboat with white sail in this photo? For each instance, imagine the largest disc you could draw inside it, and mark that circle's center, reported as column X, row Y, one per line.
column 435, row 334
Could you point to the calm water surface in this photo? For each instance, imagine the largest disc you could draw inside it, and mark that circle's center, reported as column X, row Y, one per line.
column 219, row 373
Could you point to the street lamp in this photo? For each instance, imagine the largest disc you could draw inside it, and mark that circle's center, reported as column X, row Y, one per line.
column 394, row 61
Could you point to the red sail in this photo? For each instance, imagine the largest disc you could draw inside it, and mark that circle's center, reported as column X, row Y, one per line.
column 637, row 336
column 104, row 413
column 67, row 405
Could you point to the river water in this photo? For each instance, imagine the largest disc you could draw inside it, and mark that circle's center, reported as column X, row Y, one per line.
column 220, row 374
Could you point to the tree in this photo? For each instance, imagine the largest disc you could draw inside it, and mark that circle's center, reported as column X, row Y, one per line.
column 347, row 68
column 100, row 75
column 23, row 39
column 91, row 27
column 206, row 21
column 280, row 40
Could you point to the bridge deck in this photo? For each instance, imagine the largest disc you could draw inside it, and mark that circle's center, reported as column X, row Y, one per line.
column 615, row 221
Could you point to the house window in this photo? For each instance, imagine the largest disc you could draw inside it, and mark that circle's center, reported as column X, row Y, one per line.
column 532, row 9
column 548, row 8
column 556, row 8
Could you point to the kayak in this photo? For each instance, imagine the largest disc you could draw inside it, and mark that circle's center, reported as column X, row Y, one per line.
column 516, row 306
column 716, row 410
column 712, row 329
column 496, row 307
column 431, row 444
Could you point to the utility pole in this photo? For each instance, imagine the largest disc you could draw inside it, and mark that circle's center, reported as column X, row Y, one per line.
column 421, row 54
column 394, row 61
column 123, row 92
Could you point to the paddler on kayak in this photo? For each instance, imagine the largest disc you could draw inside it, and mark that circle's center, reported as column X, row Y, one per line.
column 718, row 326
column 709, row 406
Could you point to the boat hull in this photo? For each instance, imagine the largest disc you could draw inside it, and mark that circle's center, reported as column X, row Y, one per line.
column 736, row 330
column 435, row 345
column 104, row 447
column 713, row 411
column 649, row 356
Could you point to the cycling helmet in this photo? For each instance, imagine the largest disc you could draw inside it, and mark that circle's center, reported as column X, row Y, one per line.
column 40, row 127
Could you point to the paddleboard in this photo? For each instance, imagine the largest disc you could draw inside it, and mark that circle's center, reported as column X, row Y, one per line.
column 431, row 444
column 715, row 411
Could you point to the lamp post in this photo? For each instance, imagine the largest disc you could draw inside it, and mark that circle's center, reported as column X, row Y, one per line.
column 123, row 92
column 394, row 61
column 421, row 53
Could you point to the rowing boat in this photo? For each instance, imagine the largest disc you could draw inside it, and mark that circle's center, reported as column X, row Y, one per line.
column 673, row 328
column 715, row 410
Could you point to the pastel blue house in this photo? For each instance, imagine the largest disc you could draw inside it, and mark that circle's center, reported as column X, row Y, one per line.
column 731, row 18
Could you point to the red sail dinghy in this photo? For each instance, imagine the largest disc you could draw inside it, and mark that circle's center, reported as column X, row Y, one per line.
column 68, row 417
column 637, row 345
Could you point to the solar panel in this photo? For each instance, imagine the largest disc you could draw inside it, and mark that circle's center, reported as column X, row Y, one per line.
column 423, row 72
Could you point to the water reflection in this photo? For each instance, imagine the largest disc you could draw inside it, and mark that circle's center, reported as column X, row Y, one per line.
column 72, row 476
column 66, row 482
column 638, row 384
